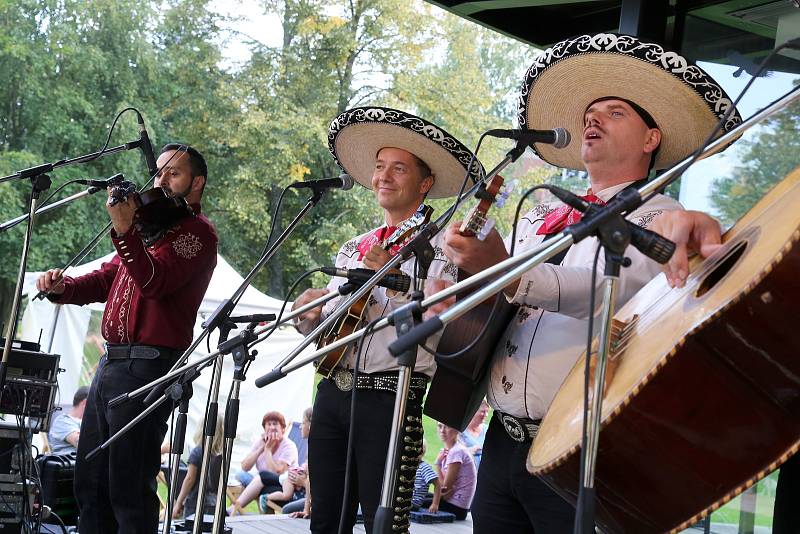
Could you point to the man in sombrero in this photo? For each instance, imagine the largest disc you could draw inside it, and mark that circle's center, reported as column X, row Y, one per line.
column 403, row 159
column 630, row 107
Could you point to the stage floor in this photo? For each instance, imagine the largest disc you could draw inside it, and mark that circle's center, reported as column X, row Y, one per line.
column 264, row 524
column 277, row 524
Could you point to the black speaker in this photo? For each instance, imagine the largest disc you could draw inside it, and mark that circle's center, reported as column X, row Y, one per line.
column 57, row 475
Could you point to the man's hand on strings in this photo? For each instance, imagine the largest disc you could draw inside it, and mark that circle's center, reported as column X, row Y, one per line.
column 692, row 232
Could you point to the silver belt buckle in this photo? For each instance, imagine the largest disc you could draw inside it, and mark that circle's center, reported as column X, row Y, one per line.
column 513, row 428
column 343, row 379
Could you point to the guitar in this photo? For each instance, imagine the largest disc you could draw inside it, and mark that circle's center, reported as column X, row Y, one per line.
column 352, row 320
column 705, row 398
column 460, row 382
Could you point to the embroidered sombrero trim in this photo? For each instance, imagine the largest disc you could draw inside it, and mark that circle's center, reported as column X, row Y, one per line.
column 653, row 53
column 429, row 131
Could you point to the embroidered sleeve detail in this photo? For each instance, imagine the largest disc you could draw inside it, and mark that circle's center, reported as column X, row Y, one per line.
column 187, row 246
column 645, row 219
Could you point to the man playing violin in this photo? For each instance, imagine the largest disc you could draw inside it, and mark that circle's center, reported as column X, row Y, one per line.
column 623, row 128
column 378, row 147
column 152, row 288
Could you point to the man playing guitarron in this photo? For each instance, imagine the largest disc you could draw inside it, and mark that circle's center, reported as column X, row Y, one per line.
column 628, row 113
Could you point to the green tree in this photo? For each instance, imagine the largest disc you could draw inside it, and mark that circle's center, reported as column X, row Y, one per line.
column 766, row 159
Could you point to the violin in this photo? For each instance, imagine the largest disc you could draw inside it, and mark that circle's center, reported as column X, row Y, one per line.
column 350, row 321
column 156, row 210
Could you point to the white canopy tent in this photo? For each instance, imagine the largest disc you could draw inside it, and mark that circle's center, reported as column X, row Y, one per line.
column 290, row 396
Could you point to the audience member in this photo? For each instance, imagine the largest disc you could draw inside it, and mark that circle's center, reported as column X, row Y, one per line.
column 66, row 430
column 272, row 455
column 456, row 470
column 293, row 488
column 426, row 476
column 474, row 435
column 300, row 436
column 301, row 508
column 186, row 502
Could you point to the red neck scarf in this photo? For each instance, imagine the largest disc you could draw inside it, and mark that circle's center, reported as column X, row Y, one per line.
column 560, row 218
column 377, row 238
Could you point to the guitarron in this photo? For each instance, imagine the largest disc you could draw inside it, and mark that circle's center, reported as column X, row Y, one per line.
column 705, row 396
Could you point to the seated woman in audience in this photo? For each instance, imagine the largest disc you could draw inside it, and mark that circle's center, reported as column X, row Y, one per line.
column 273, row 454
column 186, row 502
column 456, row 470
column 474, row 435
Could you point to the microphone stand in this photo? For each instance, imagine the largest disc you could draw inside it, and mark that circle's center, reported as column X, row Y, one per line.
column 49, row 207
column 40, row 182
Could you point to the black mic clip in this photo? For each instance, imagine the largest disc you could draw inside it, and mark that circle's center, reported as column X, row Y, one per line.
column 653, row 245
column 97, row 185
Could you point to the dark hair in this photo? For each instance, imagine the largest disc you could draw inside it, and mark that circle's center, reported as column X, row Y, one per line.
column 82, row 393
column 274, row 416
column 196, row 160
column 423, row 167
column 648, row 119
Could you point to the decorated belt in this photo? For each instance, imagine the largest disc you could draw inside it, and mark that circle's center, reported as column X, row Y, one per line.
column 343, row 379
column 519, row 429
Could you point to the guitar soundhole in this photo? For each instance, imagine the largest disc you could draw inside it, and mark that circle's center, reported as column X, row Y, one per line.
column 719, row 272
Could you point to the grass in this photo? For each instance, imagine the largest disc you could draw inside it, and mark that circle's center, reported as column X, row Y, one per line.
column 765, row 499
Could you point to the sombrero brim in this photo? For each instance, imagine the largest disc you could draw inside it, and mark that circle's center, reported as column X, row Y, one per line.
column 356, row 136
column 685, row 102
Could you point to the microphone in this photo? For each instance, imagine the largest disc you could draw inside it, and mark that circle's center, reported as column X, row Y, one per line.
column 343, row 181
column 146, row 146
column 254, row 318
column 653, row 245
column 103, row 184
column 558, row 137
column 397, row 282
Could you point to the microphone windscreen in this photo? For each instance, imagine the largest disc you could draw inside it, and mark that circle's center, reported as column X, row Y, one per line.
column 347, row 181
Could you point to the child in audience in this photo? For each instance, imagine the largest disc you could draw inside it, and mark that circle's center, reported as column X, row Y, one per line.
column 425, row 477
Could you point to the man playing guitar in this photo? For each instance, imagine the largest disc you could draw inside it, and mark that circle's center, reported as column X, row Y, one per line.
column 402, row 165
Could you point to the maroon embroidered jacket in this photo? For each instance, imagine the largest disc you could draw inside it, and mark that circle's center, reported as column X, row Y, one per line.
column 152, row 293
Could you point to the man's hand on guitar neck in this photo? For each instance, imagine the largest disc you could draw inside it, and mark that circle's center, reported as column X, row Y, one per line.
column 691, row 231
column 473, row 256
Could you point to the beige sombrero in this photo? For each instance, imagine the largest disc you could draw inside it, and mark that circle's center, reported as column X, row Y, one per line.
column 356, row 136
column 684, row 101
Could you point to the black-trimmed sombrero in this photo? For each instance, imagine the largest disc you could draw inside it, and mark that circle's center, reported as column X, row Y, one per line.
column 356, row 136
column 685, row 102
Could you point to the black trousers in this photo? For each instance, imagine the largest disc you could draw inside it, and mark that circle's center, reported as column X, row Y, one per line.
column 116, row 490
column 327, row 449
column 510, row 500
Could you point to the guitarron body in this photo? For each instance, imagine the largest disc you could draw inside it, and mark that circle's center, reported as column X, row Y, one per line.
column 705, row 395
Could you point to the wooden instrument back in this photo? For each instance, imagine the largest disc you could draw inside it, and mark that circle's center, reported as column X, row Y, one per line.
column 705, row 396
column 460, row 382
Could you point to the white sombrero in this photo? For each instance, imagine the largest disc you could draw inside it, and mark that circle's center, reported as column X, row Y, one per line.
column 685, row 102
column 356, row 136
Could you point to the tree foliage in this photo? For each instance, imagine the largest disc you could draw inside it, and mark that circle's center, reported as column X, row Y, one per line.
column 766, row 159
column 70, row 66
